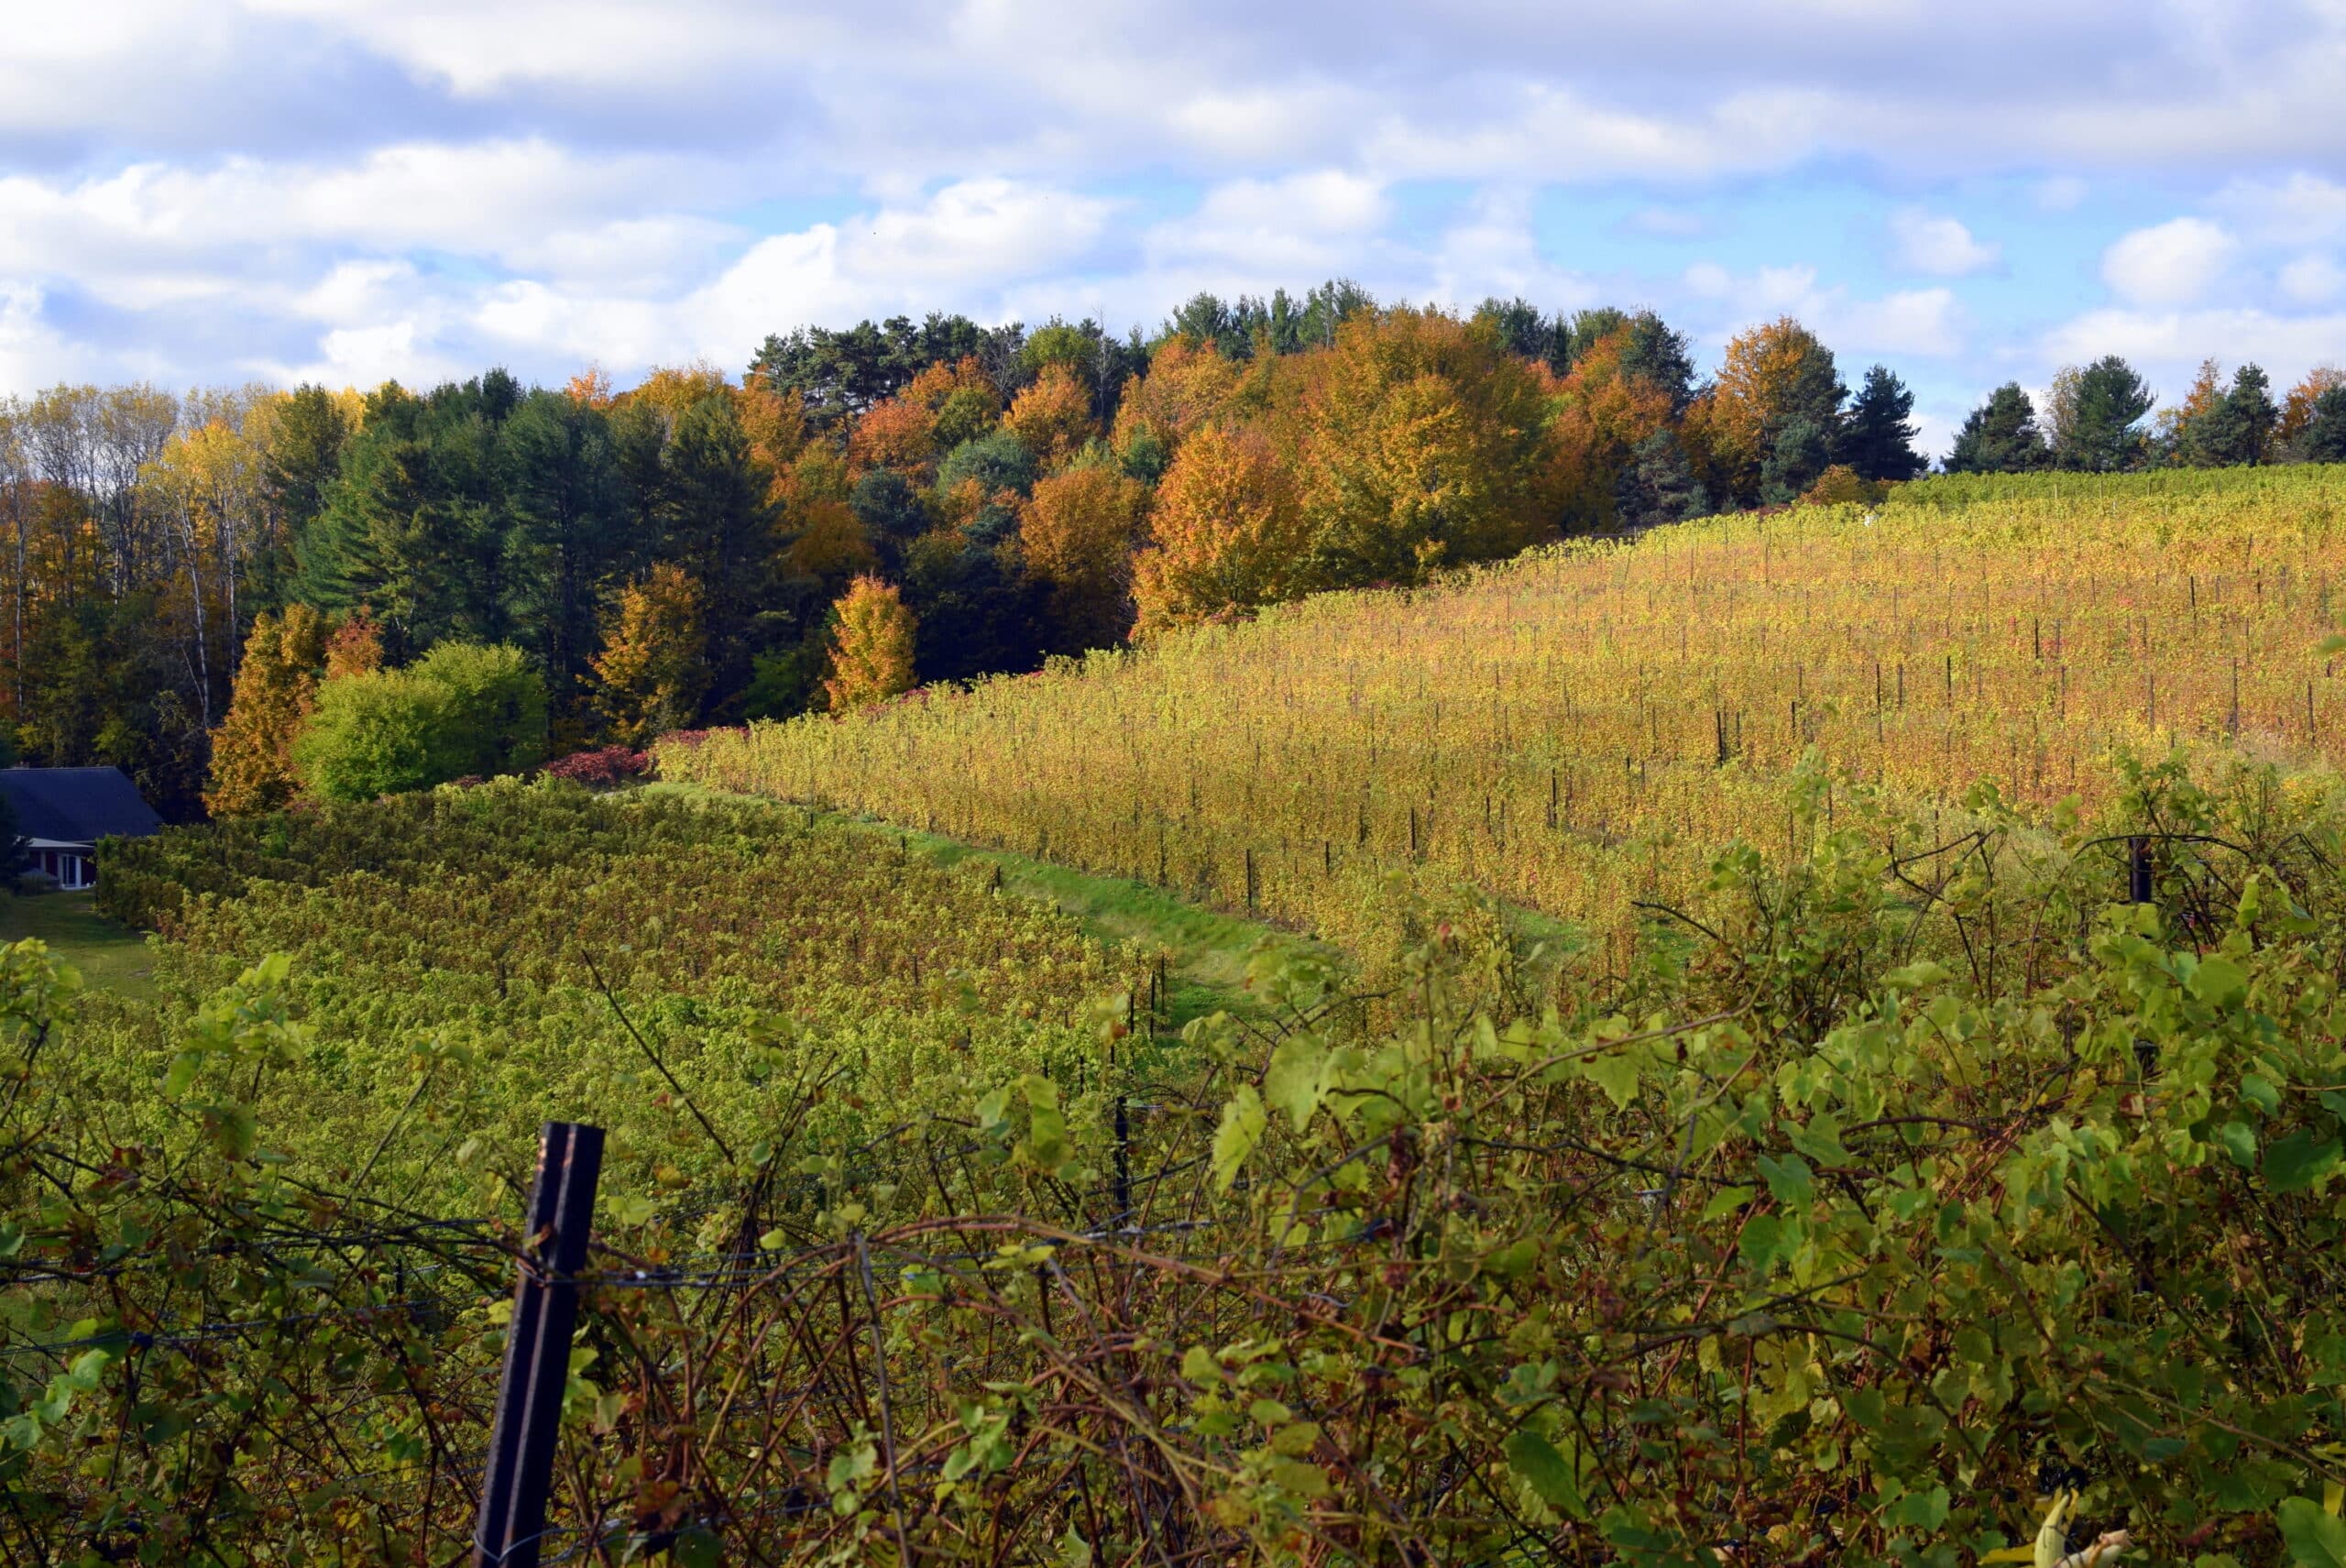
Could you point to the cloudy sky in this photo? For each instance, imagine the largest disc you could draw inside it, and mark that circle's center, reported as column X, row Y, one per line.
column 349, row 190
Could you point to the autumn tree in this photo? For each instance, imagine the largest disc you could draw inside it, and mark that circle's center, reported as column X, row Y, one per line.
column 1187, row 384
column 872, row 646
column 1227, row 531
column 356, row 646
column 252, row 751
column 1771, row 415
column 2298, row 409
column 1052, row 419
column 1417, row 441
column 942, row 406
column 1077, row 533
column 651, row 673
column 1609, row 465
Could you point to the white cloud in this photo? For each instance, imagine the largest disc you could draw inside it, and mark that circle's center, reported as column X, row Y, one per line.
column 2303, row 209
column 2167, row 346
column 1939, row 246
column 2171, row 264
column 959, row 250
column 30, row 354
column 1493, row 251
column 1922, row 321
column 2313, row 279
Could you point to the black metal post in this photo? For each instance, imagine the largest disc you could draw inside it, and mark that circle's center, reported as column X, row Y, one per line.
column 2138, row 880
column 537, row 1349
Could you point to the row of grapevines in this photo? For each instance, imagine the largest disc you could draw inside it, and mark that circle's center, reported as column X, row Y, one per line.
column 1575, row 732
column 467, row 964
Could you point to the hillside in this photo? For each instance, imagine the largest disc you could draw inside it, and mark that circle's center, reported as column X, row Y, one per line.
column 1579, row 730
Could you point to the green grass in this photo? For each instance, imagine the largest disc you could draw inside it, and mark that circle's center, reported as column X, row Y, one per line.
column 1207, row 953
column 111, row 956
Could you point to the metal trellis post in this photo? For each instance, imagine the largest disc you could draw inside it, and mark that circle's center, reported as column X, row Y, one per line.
column 512, row 1520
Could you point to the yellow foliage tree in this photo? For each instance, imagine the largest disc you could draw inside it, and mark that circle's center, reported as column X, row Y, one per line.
column 1052, row 419
column 1077, row 533
column 832, row 542
column 277, row 686
column 1227, row 531
column 652, row 671
column 776, row 423
column 1417, row 440
column 673, row 388
column 872, row 646
column 1188, row 384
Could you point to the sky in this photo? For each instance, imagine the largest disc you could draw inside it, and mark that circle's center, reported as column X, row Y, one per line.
column 345, row 190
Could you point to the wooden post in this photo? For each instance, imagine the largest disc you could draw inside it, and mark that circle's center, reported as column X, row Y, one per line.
column 2138, row 880
column 511, row 1527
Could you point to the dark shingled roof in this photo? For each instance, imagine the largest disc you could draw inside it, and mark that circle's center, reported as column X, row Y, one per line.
column 77, row 805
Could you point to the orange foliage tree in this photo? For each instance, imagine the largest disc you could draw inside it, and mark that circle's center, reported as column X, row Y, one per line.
column 2296, row 411
column 356, row 646
column 1227, row 531
column 1077, row 531
column 1053, row 417
column 872, row 646
column 1605, row 413
column 653, row 669
column 277, row 686
column 939, row 409
column 1772, row 375
column 1188, row 384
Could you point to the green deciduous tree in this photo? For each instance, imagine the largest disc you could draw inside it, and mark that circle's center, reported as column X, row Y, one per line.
column 461, row 710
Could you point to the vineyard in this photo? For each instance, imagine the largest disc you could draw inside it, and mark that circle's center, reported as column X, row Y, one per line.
column 468, row 963
column 1915, row 1187
column 1891, row 1112
column 1577, row 732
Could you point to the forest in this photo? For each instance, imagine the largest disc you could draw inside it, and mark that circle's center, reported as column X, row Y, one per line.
column 246, row 596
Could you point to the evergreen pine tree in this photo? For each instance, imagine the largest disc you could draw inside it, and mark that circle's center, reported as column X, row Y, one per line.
column 1876, row 438
column 2000, row 436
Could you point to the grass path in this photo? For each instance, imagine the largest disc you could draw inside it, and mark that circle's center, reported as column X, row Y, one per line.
column 1207, row 952
column 110, row 955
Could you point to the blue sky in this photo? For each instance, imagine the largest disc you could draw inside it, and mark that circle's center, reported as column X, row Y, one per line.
column 349, row 190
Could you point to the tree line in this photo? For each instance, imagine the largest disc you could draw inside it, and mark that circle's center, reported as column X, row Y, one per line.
column 246, row 596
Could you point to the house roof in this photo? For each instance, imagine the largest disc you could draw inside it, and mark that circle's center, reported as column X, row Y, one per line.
column 77, row 805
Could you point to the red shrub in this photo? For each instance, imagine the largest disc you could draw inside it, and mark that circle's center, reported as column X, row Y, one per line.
column 607, row 767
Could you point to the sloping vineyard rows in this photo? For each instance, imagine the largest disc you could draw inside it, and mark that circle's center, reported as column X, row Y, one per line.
column 494, row 957
column 1576, row 731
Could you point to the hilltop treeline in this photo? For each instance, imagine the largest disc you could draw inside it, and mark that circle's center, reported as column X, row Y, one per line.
column 885, row 504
